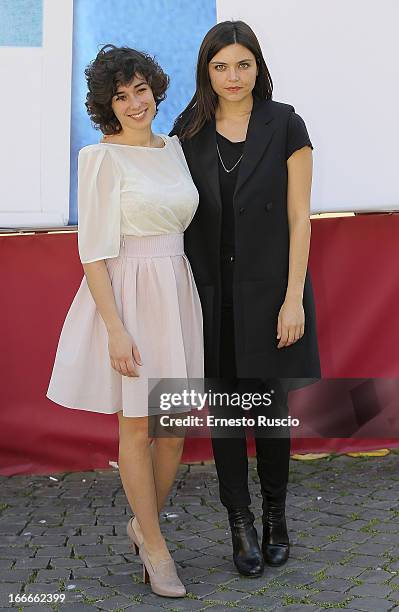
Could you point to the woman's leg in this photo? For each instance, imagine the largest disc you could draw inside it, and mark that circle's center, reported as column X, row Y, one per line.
column 273, row 454
column 166, row 454
column 229, row 443
column 231, row 459
column 273, row 444
column 137, row 475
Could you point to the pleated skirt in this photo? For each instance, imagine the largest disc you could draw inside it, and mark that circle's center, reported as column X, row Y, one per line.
column 159, row 305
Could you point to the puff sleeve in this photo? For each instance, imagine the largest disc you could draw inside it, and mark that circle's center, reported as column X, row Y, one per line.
column 98, row 204
column 297, row 135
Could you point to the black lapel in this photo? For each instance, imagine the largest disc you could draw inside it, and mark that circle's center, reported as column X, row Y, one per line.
column 259, row 134
column 204, row 150
column 260, row 131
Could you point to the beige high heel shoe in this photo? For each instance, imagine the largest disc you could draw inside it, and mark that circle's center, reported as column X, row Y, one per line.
column 136, row 543
column 162, row 577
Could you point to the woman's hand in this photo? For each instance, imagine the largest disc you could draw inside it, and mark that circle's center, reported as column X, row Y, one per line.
column 123, row 352
column 291, row 322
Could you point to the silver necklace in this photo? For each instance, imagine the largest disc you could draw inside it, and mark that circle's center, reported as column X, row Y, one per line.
column 221, row 161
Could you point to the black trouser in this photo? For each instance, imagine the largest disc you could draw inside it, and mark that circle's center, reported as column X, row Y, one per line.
column 230, row 449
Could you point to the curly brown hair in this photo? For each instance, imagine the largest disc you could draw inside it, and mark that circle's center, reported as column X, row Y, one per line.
column 115, row 66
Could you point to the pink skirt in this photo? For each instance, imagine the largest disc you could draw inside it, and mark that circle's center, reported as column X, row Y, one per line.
column 158, row 303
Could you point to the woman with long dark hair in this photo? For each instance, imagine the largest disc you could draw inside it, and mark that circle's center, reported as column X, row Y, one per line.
column 250, row 158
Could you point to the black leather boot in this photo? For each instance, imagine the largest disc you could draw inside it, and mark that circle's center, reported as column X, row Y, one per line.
column 275, row 542
column 247, row 555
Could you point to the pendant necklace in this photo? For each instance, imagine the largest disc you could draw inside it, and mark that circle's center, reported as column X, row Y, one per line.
column 221, row 161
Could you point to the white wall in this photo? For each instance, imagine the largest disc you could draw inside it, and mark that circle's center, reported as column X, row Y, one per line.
column 337, row 63
column 35, row 126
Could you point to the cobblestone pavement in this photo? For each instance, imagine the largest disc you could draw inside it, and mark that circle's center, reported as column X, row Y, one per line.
column 65, row 535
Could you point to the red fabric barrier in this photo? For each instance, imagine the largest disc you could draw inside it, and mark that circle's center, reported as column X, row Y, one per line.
column 354, row 269
column 354, row 265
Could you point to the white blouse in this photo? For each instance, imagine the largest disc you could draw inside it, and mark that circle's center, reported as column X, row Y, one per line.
column 132, row 190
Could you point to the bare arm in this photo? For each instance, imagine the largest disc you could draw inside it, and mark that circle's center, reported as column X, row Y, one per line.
column 124, row 354
column 291, row 320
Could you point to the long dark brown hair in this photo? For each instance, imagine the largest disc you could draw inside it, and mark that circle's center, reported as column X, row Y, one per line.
column 202, row 106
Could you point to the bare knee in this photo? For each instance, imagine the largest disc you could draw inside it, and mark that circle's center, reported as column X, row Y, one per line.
column 133, row 433
column 172, row 444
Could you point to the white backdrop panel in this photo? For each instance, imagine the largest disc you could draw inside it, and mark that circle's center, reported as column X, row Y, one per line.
column 20, row 109
column 36, row 108
column 337, row 64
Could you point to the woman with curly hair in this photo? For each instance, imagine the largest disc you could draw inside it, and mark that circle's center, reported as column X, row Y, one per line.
column 137, row 313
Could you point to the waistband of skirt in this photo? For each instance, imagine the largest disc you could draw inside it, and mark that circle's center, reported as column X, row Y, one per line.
column 163, row 245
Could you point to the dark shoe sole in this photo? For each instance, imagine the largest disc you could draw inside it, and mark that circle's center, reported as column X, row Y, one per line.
column 257, row 575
